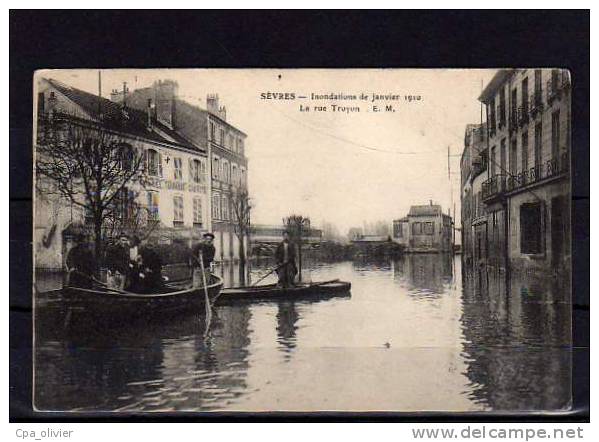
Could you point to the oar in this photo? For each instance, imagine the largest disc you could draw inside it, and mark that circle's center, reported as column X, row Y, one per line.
column 273, row 270
column 206, row 298
column 315, row 284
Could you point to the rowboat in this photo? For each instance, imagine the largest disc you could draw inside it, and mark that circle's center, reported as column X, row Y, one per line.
column 173, row 297
column 322, row 289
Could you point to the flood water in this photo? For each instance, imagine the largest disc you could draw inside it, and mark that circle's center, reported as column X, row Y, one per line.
column 410, row 337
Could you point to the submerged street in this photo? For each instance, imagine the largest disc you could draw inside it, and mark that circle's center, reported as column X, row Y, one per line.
column 415, row 335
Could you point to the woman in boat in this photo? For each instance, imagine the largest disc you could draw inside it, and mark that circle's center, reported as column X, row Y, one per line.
column 117, row 262
column 134, row 273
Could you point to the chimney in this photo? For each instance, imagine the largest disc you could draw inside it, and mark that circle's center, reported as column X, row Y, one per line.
column 165, row 93
column 149, row 111
column 116, row 96
column 212, row 103
column 430, row 202
column 223, row 113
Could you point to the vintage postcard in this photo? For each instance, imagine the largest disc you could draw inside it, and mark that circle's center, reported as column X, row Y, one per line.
column 349, row 240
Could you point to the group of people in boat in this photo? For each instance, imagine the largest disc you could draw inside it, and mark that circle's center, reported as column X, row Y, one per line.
column 133, row 265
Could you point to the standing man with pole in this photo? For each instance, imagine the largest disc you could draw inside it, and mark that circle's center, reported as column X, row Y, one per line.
column 202, row 256
column 201, row 259
column 285, row 257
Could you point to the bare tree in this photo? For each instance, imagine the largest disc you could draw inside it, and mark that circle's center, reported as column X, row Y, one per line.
column 87, row 164
column 242, row 207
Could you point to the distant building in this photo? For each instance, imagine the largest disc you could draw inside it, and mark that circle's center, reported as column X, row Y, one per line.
column 272, row 234
column 425, row 229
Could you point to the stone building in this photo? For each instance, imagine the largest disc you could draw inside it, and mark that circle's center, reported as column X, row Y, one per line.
column 425, row 229
column 175, row 186
column 208, row 130
column 526, row 193
column 473, row 166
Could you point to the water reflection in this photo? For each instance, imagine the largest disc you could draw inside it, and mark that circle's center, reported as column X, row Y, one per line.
column 417, row 334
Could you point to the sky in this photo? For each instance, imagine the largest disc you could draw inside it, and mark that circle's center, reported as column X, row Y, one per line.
column 342, row 168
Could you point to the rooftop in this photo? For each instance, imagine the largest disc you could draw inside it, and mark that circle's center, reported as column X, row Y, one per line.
column 425, row 210
column 123, row 119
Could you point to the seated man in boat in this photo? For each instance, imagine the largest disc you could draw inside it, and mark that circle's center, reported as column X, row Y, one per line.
column 117, row 262
column 80, row 263
column 285, row 258
column 205, row 252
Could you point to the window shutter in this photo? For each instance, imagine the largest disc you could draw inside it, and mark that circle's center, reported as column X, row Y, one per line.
column 159, row 164
column 145, row 161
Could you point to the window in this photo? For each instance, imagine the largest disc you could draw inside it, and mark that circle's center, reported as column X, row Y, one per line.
column 429, row 228
column 225, row 208
column 417, row 229
column 524, row 151
column 531, row 228
column 125, row 201
column 502, row 153
column 397, row 230
column 215, row 168
column 197, row 212
column 514, row 106
column 514, row 157
column 153, row 162
column 127, row 157
column 178, row 211
column 492, row 109
column 234, row 174
column 41, row 103
column 243, row 177
column 153, row 206
column 221, row 136
column 226, row 173
column 538, row 87
column 555, row 134
column 178, row 168
column 493, row 161
column 538, row 144
column 196, row 171
column 212, row 131
column 502, row 106
column 230, row 143
column 525, row 95
column 216, row 206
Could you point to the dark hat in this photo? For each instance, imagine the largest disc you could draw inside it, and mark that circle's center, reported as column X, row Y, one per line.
column 208, row 235
column 123, row 235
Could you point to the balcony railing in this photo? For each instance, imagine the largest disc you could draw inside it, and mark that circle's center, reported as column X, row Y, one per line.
column 523, row 115
column 513, row 120
column 559, row 82
column 536, row 102
column 494, row 186
column 552, row 168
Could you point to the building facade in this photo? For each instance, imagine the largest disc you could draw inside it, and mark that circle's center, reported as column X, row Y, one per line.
column 473, row 166
column 425, row 229
column 224, row 144
column 173, row 191
column 526, row 192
